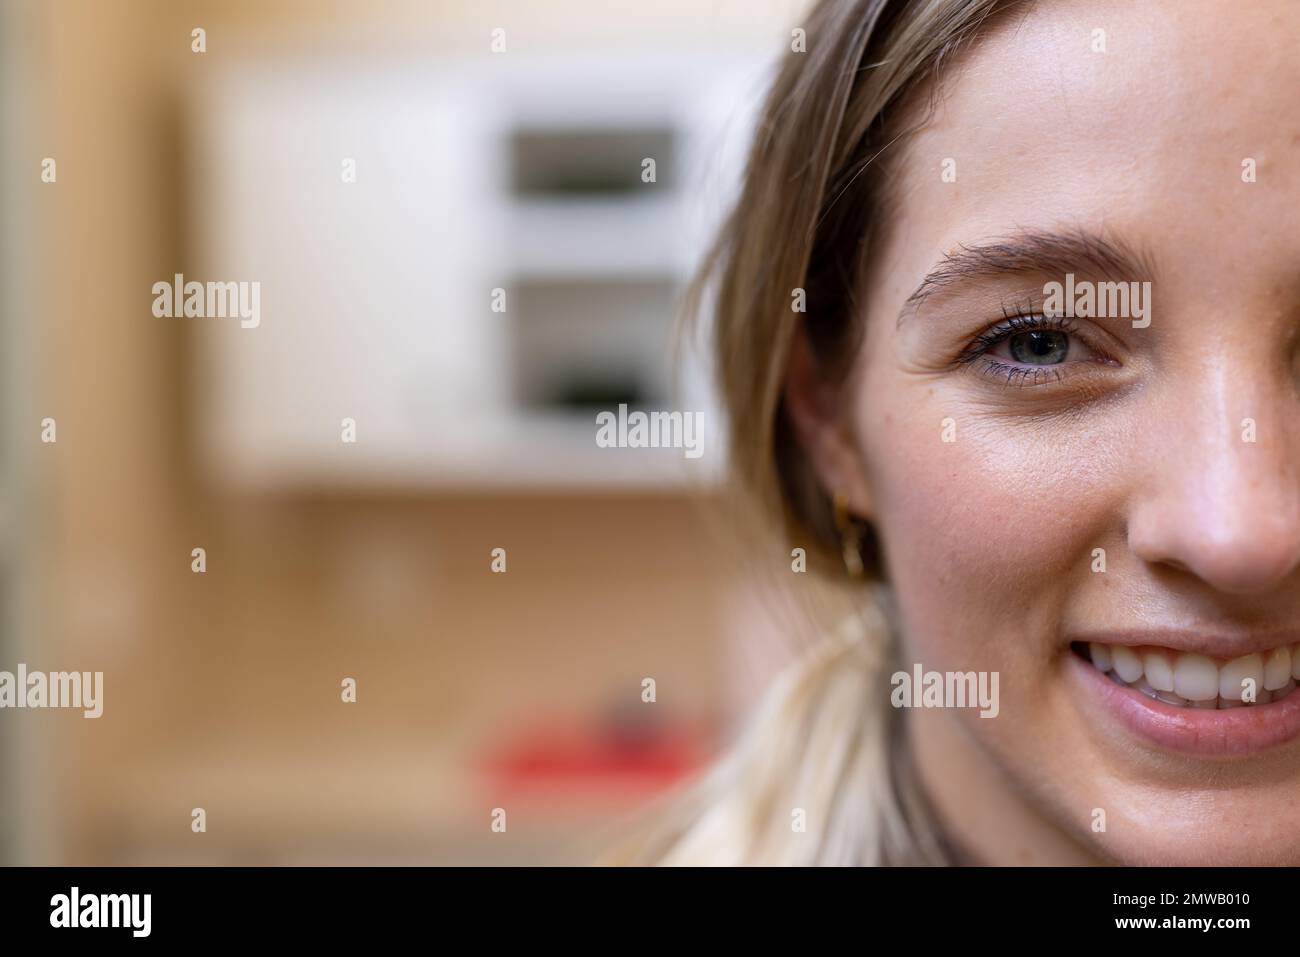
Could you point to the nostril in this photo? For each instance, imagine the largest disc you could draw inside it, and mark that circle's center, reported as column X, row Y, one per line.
column 1230, row 528
column 1245, row 565
column 1179, row 565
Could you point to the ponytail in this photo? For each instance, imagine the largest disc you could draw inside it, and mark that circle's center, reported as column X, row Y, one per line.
column 813, row 779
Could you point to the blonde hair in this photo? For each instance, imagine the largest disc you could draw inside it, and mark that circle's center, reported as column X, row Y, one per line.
column 824, row 740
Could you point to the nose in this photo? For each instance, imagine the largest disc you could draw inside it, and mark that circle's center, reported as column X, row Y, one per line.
column 1221, row 498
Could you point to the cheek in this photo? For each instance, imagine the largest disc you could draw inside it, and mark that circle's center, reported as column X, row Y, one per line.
column 988, row 524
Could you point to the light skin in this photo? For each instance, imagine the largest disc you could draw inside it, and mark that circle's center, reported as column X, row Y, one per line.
column 1132, row 444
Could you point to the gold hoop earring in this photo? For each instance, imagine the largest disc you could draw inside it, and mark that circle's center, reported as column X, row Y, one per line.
column 850, row 536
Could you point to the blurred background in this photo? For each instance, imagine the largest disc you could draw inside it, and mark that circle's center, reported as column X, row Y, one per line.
column 380, row 170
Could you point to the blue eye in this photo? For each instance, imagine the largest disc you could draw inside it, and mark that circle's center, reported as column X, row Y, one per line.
column 1028, row 349
column 1042, row 347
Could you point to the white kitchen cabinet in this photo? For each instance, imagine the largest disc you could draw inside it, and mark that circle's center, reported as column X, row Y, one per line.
column 511, row 173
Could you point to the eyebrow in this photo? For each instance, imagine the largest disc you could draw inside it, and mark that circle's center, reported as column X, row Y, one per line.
column 1077, row 250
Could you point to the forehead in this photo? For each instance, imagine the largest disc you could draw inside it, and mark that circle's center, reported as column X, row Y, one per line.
column 1133, row 118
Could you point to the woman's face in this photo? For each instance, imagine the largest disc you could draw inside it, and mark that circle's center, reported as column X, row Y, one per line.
column 1166, row 439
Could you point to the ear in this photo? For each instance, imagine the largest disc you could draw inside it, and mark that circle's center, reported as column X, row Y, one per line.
column 821, row 420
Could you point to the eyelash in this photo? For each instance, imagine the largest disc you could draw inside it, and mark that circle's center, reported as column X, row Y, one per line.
column 1012, row 324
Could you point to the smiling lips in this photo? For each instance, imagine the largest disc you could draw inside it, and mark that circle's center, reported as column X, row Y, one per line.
column 1187, row 680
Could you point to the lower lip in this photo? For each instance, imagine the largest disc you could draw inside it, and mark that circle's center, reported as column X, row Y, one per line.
column 1197, row 731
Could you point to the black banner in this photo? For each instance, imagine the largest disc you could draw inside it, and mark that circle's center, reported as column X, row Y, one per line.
column 550, row 905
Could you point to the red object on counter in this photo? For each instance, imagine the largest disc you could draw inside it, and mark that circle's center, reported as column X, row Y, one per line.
column 585, row 756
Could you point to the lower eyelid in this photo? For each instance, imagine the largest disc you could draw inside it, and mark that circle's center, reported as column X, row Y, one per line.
column 1021, row 375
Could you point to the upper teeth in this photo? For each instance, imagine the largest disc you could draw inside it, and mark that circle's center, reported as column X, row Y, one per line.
column 1184, row 678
